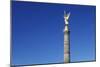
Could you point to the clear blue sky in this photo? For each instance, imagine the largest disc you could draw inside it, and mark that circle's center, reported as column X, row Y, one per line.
column 37, row 33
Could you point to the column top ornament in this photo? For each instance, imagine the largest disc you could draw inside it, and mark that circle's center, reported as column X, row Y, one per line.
column 66, row 17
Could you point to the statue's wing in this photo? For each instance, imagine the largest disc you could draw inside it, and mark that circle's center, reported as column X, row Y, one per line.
column 68, row 15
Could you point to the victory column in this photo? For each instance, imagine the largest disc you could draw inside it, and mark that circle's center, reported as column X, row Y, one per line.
column 66, row 38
